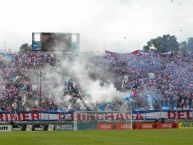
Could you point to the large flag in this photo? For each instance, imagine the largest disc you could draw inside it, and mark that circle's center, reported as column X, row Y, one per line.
column 136, row 52
column 110, row 53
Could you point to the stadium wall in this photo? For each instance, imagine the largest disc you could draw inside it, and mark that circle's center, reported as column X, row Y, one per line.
column 69, row 126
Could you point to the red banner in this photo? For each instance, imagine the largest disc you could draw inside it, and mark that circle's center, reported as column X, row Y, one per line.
column 123, row 126
column 105, row 126
column 155, row 125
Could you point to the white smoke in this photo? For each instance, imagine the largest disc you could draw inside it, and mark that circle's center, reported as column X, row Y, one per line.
column 94, row 90
column 53, row 79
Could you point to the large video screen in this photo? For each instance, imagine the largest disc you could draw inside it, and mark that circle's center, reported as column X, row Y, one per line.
column 60, row 42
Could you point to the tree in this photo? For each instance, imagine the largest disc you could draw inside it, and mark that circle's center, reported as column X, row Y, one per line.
column 162, row 44
column 186, row 46
column 190, row 44
column 25, row 47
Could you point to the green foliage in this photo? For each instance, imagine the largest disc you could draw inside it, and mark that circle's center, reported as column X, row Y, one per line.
column 25, row 47
column 186, row 46
column 162, row 44
column 190, row 44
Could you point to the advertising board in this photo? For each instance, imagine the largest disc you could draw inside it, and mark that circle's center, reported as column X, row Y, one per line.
column 5, row 128
column 19, row 127
column 185, row 124
column 40, row 127
column 67, row 126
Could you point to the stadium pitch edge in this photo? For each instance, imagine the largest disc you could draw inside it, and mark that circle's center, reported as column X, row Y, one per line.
column 98, row 137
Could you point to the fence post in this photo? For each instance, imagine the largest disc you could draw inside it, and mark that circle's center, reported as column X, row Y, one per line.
column 75, row 127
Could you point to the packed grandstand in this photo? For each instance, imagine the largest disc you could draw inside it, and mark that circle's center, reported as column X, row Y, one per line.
column 147, row 81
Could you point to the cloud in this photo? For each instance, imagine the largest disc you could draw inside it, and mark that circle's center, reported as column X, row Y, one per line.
column 119, row 25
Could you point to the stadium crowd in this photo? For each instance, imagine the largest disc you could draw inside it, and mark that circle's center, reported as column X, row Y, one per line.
column 169, row 75
column 17, row 75
column 161, row 81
